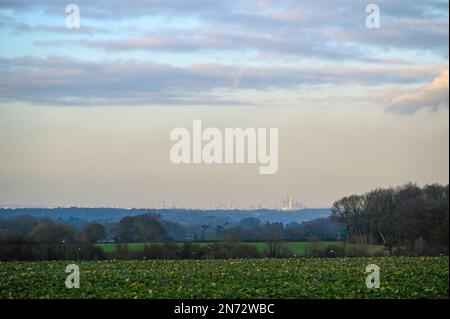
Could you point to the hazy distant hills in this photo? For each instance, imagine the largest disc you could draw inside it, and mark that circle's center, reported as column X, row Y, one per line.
column 77, row 215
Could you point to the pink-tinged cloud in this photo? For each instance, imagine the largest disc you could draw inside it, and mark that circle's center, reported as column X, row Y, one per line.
column 433, row 95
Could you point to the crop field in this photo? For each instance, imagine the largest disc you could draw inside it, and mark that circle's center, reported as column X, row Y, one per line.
column 401, row 277
column 298, row 248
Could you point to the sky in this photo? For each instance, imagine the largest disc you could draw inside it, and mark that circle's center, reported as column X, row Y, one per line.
column 86, row 113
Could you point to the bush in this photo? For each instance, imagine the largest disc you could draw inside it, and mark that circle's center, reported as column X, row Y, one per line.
column 227, row 250
column 190, row 251
column 329, row 251
column 420, row 247
column 17, row 248
column 357, row 250
column 276, row 249
column 160, row 251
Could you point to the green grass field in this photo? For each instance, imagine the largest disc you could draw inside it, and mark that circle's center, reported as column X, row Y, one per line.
column 401, row 277
column 298, row 248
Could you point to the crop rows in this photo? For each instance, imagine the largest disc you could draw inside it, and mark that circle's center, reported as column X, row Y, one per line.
column 401, row 277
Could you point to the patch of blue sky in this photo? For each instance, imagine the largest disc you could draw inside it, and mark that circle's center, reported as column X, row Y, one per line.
column 400, row 56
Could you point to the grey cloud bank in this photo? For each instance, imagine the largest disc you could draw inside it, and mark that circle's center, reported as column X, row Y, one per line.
column 60, row 80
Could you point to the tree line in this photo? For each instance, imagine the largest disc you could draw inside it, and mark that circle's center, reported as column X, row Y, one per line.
column 29, row 238
column 151, row 228
column 408, row 219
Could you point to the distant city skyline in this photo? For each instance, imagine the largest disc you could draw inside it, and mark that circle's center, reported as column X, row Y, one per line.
column 283, row 205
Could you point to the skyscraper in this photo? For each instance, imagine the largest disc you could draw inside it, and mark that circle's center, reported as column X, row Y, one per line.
column 290, row 204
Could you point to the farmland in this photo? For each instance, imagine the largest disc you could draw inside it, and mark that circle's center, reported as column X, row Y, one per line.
column 298, row 248
column 401, row 277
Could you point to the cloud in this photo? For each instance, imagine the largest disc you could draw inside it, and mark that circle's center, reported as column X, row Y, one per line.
column 432, row 95
column 215, row 46
column 125, row 9
column 18, row 27
column 329, row 30
column 60, row 80
column 118, row 9
column 189, row 41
